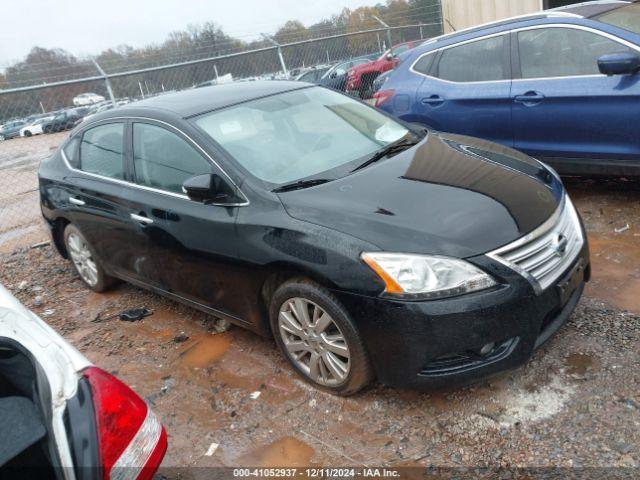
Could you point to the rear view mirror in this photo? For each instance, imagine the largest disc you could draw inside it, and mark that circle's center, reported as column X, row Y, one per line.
column 333, row 75
column 622, row 63
column 210, row 188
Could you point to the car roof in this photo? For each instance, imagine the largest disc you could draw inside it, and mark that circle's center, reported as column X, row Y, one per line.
column 189, row 103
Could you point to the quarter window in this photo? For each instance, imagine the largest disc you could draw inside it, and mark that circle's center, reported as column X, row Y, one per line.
column 479, row 61
column 424, row 63
column 71, row 151
column 101, row 150
column 562, row 52
column 163, row 160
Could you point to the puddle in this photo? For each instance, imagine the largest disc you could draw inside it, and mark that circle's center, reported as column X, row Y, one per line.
column 616, row 271
column 205, row 349
column 286, row 452
column 580, row 363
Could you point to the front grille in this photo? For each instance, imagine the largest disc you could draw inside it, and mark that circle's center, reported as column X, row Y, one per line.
column 544, row 254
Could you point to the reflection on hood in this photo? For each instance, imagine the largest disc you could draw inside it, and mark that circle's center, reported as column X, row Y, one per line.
column 515, row 180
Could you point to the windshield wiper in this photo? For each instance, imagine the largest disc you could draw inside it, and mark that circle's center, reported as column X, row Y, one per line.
column 386, row 151
column 301, row 184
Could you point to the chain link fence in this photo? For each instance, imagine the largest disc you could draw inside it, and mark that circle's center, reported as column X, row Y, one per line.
column 40, row 102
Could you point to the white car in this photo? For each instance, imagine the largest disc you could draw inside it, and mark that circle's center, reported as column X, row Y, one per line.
column 63, row 417
column 87, row 99
column 34, row 128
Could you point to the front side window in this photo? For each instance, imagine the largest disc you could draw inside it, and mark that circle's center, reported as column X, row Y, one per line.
column 479, row 61
column 101, row 150
column 299, row 134
column 164, row 160
column 563, row 52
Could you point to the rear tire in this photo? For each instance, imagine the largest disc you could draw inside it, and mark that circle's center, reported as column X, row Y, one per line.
column 27, row 133
column 316, row 335
column 85, row 262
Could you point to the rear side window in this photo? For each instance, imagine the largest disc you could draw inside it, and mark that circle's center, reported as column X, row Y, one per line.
column 101, row 150
column 563, row 52
column 479, row 61
column 164, row 160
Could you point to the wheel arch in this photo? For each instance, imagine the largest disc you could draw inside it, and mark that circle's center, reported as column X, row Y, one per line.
column 278, row 273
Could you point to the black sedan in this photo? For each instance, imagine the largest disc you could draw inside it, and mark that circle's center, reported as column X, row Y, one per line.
column 366, row 247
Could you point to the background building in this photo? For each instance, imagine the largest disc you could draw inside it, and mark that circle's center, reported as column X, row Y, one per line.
column 459, row 14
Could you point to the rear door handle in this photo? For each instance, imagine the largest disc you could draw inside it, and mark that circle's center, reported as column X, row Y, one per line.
column 76, row 201
column 530, row 98
column 433, row 100
column 141, row 219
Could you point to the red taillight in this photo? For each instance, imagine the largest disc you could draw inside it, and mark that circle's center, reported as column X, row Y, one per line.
column 383, row 96
column 132, row 442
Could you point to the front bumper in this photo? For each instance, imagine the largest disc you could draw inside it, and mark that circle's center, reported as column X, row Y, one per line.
column 435, row 344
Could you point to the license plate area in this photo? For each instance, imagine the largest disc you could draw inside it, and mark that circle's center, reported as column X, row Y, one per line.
column 570, row 281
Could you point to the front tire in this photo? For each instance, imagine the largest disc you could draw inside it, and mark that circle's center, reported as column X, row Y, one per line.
column 27, row 133
column 85, row 261
column 318, row 338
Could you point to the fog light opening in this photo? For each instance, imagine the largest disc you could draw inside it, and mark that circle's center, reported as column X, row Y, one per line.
column 487, row 349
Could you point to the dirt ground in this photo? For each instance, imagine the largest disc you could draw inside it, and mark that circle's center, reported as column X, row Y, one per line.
column 228, row 393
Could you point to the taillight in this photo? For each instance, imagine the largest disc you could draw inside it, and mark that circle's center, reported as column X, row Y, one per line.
column 131, row 440
column 383, row 96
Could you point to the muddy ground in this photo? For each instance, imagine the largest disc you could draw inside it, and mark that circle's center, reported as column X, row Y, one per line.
column 575, row 404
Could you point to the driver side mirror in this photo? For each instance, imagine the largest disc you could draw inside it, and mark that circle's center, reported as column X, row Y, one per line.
column 333, row 75
column 622, row 63
column 390, row 56
column 210, row 188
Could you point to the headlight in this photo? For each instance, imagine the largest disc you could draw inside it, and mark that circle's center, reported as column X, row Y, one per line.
column 426, row 277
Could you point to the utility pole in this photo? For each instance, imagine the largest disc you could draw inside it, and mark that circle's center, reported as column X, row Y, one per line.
column 421, row 36
column 279, row 47
column 388, row 30
column 215, row 70
column 106, row 81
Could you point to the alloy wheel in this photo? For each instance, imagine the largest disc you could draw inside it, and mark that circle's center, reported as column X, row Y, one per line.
column 314, row 342
column 82, row 259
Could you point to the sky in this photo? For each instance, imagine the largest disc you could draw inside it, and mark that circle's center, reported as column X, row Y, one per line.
column 89, row 26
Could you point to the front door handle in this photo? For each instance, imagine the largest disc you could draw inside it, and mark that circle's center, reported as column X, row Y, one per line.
column 433, row 100
column 141, row 219
column 76, row 201
column 529, row 98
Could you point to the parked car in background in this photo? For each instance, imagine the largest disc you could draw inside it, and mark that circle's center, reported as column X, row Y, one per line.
column 35, row 127
column 64, row 120
column 360, row 78
column 365, row 246
column 312, row 75
column 560, row 85
column 63, row 417
column 87, row 99
column 336, row 76
column 11, row 129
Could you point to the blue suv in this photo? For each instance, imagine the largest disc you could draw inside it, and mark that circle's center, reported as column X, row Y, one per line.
column 560, row 85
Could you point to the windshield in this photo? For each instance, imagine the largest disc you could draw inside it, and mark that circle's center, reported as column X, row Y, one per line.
column 300, row 134
column 627, row 18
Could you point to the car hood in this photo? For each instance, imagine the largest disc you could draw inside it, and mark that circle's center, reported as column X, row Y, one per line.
column 448, row 195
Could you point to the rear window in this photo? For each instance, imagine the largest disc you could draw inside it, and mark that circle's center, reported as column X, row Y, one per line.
column 627, row 18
